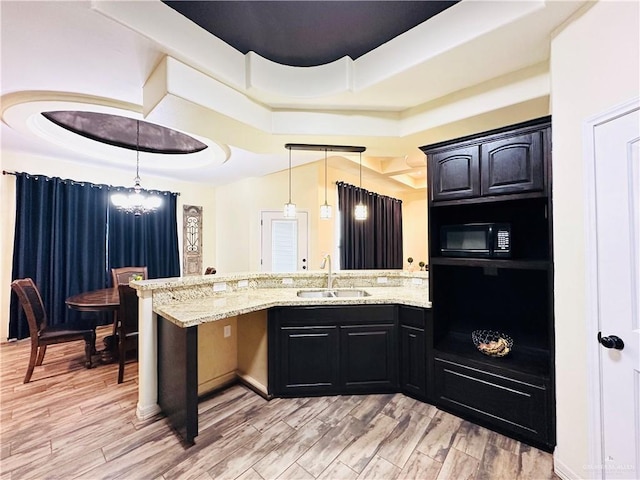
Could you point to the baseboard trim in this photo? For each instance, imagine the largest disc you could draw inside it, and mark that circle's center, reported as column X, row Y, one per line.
column 564, row 471
column 254, row 385
column 148, row 411
column 216, row 384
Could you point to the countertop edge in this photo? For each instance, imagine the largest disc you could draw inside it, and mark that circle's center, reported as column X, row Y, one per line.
column 189, row 281
column 284, row 297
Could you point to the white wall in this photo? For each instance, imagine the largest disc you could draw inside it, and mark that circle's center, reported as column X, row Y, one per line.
column 594, row 66
column 190, row 194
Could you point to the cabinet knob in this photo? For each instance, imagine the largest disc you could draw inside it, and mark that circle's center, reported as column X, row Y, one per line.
column 611, row 341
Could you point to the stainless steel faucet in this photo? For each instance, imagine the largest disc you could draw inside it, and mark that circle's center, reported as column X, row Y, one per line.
column 330, row 275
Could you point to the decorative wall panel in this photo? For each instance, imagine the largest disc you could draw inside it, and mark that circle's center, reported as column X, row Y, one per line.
column 192, row 240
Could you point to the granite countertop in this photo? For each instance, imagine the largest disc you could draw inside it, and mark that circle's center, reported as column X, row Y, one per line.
column 202, row 310
column 276, row 278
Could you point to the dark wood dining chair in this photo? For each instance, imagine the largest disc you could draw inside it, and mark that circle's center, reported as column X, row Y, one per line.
column 121, row 276
column 127, row 325
column 43, row 334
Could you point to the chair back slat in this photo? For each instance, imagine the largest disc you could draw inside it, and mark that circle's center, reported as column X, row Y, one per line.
column 31, row 301
column 121, row 275
column 128, row 312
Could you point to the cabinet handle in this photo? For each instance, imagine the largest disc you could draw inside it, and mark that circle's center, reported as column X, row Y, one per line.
column 611, row 341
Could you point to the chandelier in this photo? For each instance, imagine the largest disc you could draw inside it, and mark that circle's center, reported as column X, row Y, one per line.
column 137, row 202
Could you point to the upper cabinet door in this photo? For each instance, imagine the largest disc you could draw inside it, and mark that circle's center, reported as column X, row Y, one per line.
column 513, row 165
column 455, row 174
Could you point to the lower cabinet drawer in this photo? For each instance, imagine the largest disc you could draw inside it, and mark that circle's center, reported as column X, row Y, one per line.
column 493, row 400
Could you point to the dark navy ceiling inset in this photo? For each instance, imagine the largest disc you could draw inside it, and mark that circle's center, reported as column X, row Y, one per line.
column 122, row 132
column 308, row 33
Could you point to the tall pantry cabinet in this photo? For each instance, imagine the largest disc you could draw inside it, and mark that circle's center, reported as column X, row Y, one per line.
column 500, row 176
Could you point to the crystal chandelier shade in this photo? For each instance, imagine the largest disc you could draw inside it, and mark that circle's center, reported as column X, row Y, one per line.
column 137, row 202
column 361, row 212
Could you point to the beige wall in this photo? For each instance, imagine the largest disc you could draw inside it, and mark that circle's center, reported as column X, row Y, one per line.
column 231, row 216
column 190, row 194
column 238, row 215
column 239, row 206
column 414, row 228
column 217, row 354
column 594, row 66
column 253, row 349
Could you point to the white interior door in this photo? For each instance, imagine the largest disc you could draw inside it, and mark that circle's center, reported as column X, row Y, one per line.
column 617, row 216
column 284, row 242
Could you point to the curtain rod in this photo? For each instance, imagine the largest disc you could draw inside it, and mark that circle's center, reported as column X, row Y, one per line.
column 6, row 172
column 341, row 183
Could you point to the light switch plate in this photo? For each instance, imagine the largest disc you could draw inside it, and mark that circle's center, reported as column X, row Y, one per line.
column 243, row 283
column 219, row 287
column 227, row 331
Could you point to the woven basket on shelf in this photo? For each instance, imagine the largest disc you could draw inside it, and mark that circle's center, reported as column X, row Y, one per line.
column 492, row 343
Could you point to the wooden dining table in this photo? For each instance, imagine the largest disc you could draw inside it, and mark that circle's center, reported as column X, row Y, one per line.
column 102, row 300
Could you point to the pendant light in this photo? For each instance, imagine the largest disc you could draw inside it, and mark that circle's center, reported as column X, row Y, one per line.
column 289, row 208
column 325, row 209
column 361, row 209
column 136, row 202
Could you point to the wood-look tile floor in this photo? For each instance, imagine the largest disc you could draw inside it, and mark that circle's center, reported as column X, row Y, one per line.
column 69, row 422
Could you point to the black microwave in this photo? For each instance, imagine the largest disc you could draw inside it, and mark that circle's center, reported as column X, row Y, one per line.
column 492, row 240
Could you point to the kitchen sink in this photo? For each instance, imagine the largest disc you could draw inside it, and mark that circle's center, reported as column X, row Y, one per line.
column 315, row 293
column 341, row 293
column 350, row 292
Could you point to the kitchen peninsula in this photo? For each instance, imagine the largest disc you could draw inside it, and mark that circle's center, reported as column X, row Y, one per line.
column 172, row 310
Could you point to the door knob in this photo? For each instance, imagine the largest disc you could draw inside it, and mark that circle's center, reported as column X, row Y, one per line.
column 611, row 341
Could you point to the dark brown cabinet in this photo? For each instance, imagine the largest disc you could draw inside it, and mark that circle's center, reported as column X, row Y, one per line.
column 504, row 161
column 368, row 358
column 413, row 372
column 456, row 173
column 513, row 394
column 333, row 350
column 414, row 344
column 308, row 361
column 517, row 405
column 513, row 164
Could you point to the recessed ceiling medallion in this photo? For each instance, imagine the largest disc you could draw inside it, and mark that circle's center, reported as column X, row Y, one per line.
column 120, row 131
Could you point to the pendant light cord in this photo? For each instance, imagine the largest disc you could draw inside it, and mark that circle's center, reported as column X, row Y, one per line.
column 361, row 176
column 138, row 149
column 289, row 175
column 325, row 176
